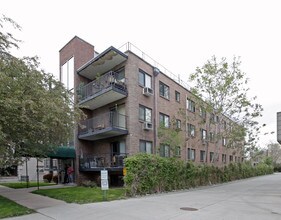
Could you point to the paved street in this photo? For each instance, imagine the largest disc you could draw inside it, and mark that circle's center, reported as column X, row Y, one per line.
column 256, row 198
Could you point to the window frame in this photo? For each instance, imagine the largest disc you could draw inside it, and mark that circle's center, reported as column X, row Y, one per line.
column 212, row 137
column 177, row 96
column 178, row 124
column 211, row 157
column 190, row 105
column 145, row 142
column 178, row 151
column 202, row 112
column 164, row 121
column 164, row 95
column 165, row 150
column 189, row 130
column 203, row 137
column 202, row 155
column 144, row 76
column 145, row 109
column 189, row 154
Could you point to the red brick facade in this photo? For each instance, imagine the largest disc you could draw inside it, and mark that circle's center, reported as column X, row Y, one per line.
column 83, row 52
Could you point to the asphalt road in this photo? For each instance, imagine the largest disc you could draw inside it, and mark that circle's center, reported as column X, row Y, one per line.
column 256, row 198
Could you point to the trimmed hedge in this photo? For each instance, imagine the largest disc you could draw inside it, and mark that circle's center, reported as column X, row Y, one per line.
column 147, row 174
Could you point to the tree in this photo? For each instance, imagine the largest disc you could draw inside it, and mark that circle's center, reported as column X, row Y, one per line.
column 221, row 90
column 37, row 112
column 274, row 151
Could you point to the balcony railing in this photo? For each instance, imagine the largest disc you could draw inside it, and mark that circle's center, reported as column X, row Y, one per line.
column 106, row 125
column 97, row 162
column 105, row 81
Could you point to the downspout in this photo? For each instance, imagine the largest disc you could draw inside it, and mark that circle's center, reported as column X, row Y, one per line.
column 156, row 71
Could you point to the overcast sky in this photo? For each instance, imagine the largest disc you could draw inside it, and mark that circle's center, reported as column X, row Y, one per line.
column 179, row 34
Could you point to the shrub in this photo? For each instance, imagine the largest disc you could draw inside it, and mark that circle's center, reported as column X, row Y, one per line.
column 153, row 174
column 90, row 184
column 48, row 177
column 277, row 167
column 55, row 179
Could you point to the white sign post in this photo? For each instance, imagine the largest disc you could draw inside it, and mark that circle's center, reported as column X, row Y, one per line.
column 104, row 182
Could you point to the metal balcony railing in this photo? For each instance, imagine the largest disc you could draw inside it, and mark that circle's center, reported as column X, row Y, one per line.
column 102, row 161
column 103, row 121
column 101, row 83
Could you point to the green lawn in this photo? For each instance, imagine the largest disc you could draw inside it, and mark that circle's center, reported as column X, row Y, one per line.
column 18, row 185
column 82, row 195
column 9, row 208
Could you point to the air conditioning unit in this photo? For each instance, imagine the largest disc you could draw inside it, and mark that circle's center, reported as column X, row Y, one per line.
column 147, row 91
column 147, row 126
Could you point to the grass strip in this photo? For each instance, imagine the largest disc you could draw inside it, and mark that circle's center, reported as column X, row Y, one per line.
column 82, row 195
column 10, row 208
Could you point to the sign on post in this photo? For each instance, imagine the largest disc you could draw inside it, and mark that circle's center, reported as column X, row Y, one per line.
column 104, row 179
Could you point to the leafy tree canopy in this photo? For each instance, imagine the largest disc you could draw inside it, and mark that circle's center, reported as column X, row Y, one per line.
column 36, row 110
column 223, row 87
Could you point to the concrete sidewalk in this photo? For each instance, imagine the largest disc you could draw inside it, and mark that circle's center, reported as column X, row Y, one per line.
column 256, row 198
column 29, row 200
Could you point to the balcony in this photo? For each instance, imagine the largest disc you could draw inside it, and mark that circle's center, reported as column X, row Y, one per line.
column 106, row 89
column 104, row 62
column 107, row 125
column 97, row 163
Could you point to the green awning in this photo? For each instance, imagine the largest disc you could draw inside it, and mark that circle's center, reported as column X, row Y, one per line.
column 63, row 152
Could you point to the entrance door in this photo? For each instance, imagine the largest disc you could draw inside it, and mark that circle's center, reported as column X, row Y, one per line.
column 118, row 150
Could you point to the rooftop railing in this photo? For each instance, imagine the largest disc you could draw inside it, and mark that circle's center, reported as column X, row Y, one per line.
column 130, row 47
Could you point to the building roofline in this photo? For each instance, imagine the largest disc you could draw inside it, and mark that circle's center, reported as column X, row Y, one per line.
column 73, row 39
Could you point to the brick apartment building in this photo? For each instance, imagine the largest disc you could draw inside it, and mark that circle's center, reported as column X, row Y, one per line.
column 126, row 96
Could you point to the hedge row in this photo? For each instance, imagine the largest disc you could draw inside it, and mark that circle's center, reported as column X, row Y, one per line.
column 148, row 174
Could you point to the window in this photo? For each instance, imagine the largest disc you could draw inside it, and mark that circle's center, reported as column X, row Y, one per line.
column 212, row 157
column 203, row 134
column 190, row 105
column 202, row 112
column 230, row 158
column 164, row 150
column 191, row 154
column 145, row 114
column 164, row 120
column 190, row 130
column 223, row 158
column 177, row 96
column 214, row 118
column 202, row 155
column 144, row 79
column 178, row 151
column 178, row 124
column 67, row 74
column 212, row 137
column 164, row 90
column 146, row 147
column 224, row 124
column 223, row 141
